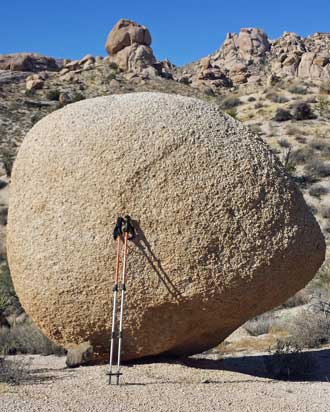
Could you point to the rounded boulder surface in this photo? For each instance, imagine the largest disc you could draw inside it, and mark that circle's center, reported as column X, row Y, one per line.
column 223, row 234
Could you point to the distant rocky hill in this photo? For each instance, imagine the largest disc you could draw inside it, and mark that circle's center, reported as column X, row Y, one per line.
column 257, row 80
column 279, row 88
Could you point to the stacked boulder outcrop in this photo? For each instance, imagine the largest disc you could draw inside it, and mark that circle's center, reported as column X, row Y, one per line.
column 249, row 57
column 27, row 62
column 128, row 45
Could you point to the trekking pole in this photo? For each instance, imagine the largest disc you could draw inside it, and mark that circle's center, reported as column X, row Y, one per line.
column 128, row 229
column 114, row 307
column 116, row 234
column 123, row 289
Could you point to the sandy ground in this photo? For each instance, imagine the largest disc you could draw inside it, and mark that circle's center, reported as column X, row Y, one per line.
column 198, row 384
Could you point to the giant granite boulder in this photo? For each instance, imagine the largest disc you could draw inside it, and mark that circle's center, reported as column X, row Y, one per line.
column 223, row 233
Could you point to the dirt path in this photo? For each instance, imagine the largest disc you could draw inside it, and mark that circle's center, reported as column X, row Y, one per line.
column 198, row 384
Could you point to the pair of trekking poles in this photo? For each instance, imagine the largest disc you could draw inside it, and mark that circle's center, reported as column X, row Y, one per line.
column 123, row 232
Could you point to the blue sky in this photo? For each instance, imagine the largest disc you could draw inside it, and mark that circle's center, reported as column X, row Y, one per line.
column 182, row 31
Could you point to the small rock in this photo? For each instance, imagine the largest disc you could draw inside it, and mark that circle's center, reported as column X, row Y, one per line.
column 79, row 355
column 87, row 58
column 34, row 84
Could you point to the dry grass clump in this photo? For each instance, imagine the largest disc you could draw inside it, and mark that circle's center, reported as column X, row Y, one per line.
column 300, row 298
column 26, row 338
column 230, row 102
column 318, row 190
column 317, row 168
column 325, row 88
column 284, row 143
column 276, row 98
column 293, row 130
column 260, row 324
column 14, row 372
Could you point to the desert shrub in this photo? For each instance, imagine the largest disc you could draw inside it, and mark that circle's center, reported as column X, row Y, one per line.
column 292, row 130
column 325, row 88
column 288, row 361
column 325, row 211
column 317, row 190
column 297, row 89
column 310, row 329
column 303, row 111
column 251, row 99
column 36, row 117
column 287, row 160
column 260, row 324
column 275, row 98
column 7, row 156
column 230, row 102
column 284, row 143
column 113, row 66
column 77, row 96
column 316, row 168
column 53, row 94
column 3, row 215
column 282, row 115
column 26, row 338
column 7, row 291
column 323, row 107
column 14, row 372
column 3, row 184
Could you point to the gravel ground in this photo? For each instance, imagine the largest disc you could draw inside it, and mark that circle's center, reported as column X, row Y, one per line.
column 197, row 384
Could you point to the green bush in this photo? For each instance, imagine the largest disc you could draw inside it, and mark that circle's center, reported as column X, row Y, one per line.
column 232, row 112
column 323, row 107
column 53, row 95
column 282, row 115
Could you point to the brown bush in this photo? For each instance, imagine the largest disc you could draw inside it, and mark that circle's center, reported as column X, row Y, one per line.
column 288, row 361
column 309, row 329
column 260, row 324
